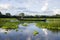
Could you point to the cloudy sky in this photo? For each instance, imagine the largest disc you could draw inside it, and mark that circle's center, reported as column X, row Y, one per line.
column 32, row 7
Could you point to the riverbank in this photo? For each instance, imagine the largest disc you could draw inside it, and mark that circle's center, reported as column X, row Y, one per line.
column 9, row 23
column 51, row 23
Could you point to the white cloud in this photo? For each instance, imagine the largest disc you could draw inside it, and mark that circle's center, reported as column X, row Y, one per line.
column 4, row 6
column 45, row 6
column 29, row 6
column 56, row 11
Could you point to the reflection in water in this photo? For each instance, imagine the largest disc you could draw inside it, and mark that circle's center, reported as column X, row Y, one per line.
column 46, row 33
column 27, row 33
column 4, row 30
column 28, row 38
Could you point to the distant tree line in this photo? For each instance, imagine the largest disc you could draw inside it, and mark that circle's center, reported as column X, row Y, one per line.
column 22, row 15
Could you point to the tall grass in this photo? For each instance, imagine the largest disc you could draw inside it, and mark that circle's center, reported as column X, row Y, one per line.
column 52, row 24
column 10, row 25
column 7, row 24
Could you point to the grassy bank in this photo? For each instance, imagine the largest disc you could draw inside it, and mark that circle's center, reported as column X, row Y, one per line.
column 8, row 23
column 52, row 23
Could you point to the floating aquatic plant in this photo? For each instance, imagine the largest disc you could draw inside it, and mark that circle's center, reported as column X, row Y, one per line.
column 35, row 33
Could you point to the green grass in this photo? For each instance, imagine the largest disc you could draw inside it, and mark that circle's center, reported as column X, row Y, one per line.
column 51, row 24
column 7, row 24
column 10, row 25
column 33, row 18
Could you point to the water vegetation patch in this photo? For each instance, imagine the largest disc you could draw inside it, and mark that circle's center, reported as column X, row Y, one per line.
column 10, row 25
column 5, row 32
column 25, row 24
column 17, row 30
column 7, row 24
column 35, row 33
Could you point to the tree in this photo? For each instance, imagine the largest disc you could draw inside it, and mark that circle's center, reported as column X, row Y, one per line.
column 8, row 14
column 37, row 16
column 57, row 14
column 0, row 13
column 22, row 15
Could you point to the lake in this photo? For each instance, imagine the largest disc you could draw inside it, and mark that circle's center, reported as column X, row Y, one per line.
column 25, row 31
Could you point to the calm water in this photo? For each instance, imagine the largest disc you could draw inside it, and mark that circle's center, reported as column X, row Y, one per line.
column 26, row 33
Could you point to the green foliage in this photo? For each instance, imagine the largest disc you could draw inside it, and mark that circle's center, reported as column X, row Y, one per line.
column 35, row 33
column 8, row 14
column 52, row 24
column 0, row 13
column 25, row 24
column 21, row 14
column 2, row 22
column 16, row 30
column 10, row 25
column 7, row 24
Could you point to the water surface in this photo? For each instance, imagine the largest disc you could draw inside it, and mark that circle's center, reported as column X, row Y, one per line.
column 26, row 33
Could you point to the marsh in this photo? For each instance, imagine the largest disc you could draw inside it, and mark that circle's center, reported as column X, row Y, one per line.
column 29, row 30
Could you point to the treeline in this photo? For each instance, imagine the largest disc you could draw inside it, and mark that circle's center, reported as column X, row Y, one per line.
column 8, row 15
